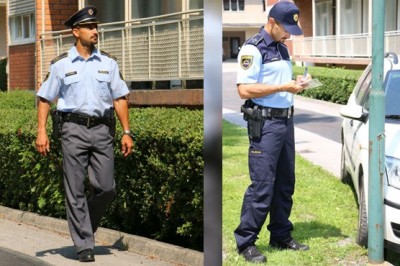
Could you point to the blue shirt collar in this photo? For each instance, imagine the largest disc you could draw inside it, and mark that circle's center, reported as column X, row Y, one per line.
column 74, row 55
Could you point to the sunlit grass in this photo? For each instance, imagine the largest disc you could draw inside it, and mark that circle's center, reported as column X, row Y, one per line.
column 324, row 213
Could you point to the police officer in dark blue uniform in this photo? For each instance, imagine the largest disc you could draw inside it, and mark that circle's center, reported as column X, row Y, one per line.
column 265, row 80
column 88, row 87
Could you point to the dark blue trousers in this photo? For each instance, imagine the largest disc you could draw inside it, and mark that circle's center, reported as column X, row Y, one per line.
column 271, row 166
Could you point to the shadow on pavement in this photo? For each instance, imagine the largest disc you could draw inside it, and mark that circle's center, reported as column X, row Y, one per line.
column 70, row 252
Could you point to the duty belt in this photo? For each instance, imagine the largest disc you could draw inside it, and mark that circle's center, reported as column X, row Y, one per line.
column 88, row 121
column 268, row 112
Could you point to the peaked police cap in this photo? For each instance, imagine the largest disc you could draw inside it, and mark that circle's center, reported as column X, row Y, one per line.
column 85, row 15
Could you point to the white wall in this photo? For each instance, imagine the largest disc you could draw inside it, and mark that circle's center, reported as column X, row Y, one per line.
column 253, row 14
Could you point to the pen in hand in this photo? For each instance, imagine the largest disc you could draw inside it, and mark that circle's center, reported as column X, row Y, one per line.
column 304, row 79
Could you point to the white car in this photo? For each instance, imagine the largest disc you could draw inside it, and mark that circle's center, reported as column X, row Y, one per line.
column 355, row 139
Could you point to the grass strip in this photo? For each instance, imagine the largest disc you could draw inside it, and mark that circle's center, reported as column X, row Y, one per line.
column 324, row 212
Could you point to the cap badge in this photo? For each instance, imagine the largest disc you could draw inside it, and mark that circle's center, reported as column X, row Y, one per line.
column 90, row 11
column 296, row 17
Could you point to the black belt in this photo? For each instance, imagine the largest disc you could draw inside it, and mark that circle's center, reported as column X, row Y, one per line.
column 88, row 121
column 268, row 112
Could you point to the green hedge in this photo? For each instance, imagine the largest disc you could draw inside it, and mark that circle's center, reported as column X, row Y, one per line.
column 159, row 187
column 19, row 99
column 338, row 83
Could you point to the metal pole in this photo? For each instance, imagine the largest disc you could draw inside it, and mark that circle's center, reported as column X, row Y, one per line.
column 376, row 138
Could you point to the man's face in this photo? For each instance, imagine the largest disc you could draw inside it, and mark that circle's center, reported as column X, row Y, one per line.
column 278, row 32
column 87, row 33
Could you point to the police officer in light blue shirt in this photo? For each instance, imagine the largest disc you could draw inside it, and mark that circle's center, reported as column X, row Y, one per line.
column 88, row 87
column 264, row 79
column 84, row 86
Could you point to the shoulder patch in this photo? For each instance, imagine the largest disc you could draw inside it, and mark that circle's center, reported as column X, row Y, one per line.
column 255, row 39
column 61, row 56
column 107, row 54
column 246, row 61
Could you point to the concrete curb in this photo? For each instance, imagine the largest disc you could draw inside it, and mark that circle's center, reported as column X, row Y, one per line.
column 136, row 244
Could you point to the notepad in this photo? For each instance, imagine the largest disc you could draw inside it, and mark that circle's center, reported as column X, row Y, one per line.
column 313, row 83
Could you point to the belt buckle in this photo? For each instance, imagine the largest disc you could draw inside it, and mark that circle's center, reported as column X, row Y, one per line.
column 90, row 121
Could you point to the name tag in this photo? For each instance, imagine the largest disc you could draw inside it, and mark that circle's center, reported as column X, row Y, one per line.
column 70, row 73
column 104, row 72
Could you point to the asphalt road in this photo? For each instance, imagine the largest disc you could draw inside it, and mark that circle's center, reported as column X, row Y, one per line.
column 11, row 257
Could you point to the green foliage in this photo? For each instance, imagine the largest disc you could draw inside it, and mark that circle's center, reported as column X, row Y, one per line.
column 20, row 99
column 167, row 166
column 3, row 75
column 338, row 83
column 159, row 186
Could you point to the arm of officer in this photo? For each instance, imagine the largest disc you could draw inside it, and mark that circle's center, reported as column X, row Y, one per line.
column 248, row 84
column 42, row 140
column 257, row 90
column 121, row 108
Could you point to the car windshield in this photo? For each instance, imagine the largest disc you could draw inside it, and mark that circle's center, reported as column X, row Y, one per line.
column 392, row 94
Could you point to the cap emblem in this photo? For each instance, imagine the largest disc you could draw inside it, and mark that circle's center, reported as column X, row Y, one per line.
column 296, row 17
column 90, row 11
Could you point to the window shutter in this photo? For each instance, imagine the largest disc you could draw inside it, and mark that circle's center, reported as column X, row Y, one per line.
column 17, row 7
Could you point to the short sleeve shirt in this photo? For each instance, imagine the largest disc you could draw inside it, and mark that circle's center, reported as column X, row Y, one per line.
column 83, row 86
column 262, row 60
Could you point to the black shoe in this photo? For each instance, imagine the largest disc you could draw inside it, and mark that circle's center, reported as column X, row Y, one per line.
column 86, row 255
column 252, row 254
column 288, row 244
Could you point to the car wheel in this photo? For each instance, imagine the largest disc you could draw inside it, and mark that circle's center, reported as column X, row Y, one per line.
column 344, row 175
column 362, row 232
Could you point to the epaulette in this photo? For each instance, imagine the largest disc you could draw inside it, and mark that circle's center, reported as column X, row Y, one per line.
column 255, row 39
column 61, row 56
column 107, row 54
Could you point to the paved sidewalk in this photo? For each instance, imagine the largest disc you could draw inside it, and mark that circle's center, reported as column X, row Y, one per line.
column 319, row 150
column 48, row 239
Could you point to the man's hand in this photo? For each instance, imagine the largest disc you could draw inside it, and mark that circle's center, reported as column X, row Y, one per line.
column 42, row 140
column 42, row 143
column 298, row 85
column 294, row 87
column 303, row 80
column 126, row 145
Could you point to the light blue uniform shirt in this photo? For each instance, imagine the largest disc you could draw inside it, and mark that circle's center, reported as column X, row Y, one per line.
column 83, row 86
column 273, row 67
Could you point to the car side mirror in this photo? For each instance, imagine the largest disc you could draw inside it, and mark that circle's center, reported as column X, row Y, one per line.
column 354, row 112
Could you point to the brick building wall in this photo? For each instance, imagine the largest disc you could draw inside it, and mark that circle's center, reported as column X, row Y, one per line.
column 24, row 60
column 56, row 12
column 305, row 20
column 21, row 67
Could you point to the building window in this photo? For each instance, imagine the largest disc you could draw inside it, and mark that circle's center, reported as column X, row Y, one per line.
column 233, row 5
column 152, row 8
column 22, row 28
column 196, row 4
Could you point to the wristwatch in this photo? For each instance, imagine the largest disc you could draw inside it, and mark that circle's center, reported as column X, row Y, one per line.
column 127, row 132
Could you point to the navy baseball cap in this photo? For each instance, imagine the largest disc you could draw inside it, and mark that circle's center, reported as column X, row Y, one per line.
column 86, row 15
column 287, row 14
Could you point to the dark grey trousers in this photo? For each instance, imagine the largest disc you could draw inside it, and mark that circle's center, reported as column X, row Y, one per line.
column 87, row 152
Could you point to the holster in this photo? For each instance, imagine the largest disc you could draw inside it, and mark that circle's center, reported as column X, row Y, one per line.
column 109, row 113
column 255, row 121
column 57, row 123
